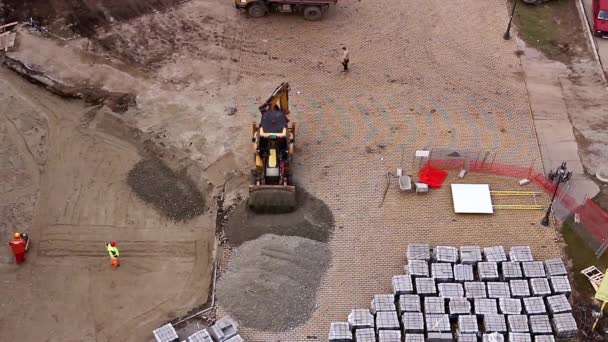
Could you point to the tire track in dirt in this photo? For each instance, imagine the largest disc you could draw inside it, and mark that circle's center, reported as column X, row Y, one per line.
column 84, row 203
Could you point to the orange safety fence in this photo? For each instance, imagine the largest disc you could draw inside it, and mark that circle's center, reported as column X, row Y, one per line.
column 588, row 214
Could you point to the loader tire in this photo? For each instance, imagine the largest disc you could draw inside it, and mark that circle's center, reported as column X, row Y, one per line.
column 313, row 13
column 257, row 10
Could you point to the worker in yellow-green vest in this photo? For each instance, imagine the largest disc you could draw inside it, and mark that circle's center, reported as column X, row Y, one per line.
column 114, row 253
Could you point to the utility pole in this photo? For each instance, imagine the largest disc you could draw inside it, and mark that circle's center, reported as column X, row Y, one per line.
column 507, row 34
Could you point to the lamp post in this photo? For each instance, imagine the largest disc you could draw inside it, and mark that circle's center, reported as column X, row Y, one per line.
column 562, row 175
column 507, row 34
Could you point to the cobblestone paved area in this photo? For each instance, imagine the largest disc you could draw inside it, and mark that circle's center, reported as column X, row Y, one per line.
column 424, row 74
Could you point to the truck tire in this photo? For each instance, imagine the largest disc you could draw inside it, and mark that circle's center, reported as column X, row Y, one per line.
column 313, row 13
column 257, row 10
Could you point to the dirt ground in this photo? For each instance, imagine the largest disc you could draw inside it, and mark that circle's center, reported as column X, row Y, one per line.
column 69, row 192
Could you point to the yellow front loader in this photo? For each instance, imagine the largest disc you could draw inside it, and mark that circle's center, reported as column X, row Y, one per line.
column 273, row 147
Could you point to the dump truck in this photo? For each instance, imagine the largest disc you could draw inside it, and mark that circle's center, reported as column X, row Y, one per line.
column 312, row 10
column 273, row 141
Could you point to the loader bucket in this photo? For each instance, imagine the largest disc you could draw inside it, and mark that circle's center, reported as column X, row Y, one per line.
column 272, row 198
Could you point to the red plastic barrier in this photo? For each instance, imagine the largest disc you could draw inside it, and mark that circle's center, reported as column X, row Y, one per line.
column 432, row 176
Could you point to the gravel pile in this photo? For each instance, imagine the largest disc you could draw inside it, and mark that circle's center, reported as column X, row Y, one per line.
column 174, row 196
column 312, row 220
column 271, row 283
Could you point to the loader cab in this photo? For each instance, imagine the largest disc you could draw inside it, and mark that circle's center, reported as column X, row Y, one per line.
column 600, row 18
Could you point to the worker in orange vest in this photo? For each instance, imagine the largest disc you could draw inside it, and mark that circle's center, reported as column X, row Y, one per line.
column 18, row 245
column 114, row 253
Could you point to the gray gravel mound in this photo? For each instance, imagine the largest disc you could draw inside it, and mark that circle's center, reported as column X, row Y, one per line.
column 173, row 195
column 312, row 220
column 271, row 283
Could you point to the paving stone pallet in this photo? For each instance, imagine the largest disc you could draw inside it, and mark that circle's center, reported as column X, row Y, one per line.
column 467, row 293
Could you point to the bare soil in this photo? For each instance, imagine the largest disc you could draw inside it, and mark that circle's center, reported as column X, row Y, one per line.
column 311, row 220
column 82, row 16
column 271, row 283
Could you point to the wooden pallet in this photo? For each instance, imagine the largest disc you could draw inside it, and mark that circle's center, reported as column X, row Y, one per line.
column 594, row 275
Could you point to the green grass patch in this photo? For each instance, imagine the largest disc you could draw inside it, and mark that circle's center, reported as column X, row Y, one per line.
column 554, row 28
column 582, row 257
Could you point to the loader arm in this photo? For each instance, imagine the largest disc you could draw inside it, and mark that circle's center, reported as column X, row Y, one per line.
column 279, row 99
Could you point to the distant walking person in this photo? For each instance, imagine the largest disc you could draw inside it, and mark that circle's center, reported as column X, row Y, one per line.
column 345, row 58
column 18, row 246
column 114, row 253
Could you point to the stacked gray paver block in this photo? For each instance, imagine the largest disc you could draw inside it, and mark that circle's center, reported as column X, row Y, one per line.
column 560, row 285
column 419, row 251
column 463, row 273
column 470, row 255
column 434, row 305
column 555, row 267
column 166, row 333
column 494, row 323
column 425, row 286
column 540, row 324
column 544, row 338
column 495, row 254
column 437, row 323
column 360, row 319
column 498, row 290
column 518, row 324
column 459, row 306
column 485, row 306
column 534, row 306
column 413, row 322
column 417, row 268
column 558, row 304
column 440, row 337
column 564, row 325
column 451, row 290
column 520, row 288
column 445, row 254
column 238, row 338
column 339, row 332
column 475, row 289
column 467, row 324
column 533, row 269
column 383, row 302
column 387, row 321
column 442, row 271
column 493, row 337
column 200, row 336
column 540, row 287
column 409, row 303
column 509, row 306
column 365, row 335
column 225, row 328
column 466, row 338
column 521, row 253
column 413, row 338
column 487, row 271
column 402, row 284
column 520, row 337
column 511, row 270
column 389, row 336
